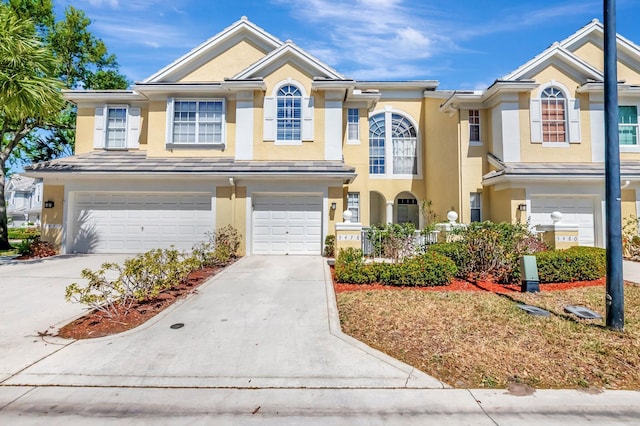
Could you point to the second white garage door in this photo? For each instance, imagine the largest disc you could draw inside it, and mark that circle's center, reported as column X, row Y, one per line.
column 287, row 224
column 109, row 222
column 577, row 210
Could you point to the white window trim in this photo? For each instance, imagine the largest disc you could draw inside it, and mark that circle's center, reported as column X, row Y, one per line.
column 270, row 112
column 472, row 142
column 631, row 148
column 479, row 208
column 170, row 121
column 388, row 159
column 572, row 119
column 106, row 127
column 357, row 123
column 132, row 127
column 357, row 208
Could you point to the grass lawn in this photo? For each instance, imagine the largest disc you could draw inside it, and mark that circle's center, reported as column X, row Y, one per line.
column 481, row 339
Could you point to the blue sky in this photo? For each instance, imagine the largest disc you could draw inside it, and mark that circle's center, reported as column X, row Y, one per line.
column 464, row 44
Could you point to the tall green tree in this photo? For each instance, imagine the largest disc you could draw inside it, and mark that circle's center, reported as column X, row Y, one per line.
column 30, row 97
column 83, row 62
column 76, row 59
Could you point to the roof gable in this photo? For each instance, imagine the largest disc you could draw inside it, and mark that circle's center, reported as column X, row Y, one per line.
column 242, row 30
column 563, row 54
column 560, row 57
column 289, row 53
column 628, row 51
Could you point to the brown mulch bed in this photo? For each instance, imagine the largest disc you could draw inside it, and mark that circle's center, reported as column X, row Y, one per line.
column 98, row 324
column 463, row 285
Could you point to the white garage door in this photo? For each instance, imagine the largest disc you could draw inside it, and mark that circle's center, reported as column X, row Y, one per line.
column 287, row 224
column 574, row 210
column 107, row 222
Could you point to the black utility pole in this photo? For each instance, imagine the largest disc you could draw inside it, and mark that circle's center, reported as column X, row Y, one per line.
column 615, row 284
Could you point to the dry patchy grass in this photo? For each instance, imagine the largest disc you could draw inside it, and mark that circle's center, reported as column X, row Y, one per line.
column 483, row 340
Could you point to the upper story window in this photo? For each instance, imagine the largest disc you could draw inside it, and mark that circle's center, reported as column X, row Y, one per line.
column 198, row 122
column 116, row 127
column 553, row 115
column 392, row 139
column 353, row 127
column 289, row 113
column 474, row 126
column 628, row 125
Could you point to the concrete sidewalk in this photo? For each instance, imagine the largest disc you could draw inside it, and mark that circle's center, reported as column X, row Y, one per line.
column 631, row 271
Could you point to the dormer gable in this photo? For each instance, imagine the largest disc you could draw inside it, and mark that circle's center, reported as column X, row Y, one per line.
column 563, row 59
column 289, row 53
column 241, row 33
column 588, row 42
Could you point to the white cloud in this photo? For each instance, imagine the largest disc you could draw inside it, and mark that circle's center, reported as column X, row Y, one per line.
column 379, row 36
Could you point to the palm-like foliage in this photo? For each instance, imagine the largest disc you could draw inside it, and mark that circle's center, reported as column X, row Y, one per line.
column 30, row 96
column 28, row 90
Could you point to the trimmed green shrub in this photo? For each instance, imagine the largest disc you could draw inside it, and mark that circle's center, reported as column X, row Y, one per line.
column 350, row 268
column 493, row 249
column 454, row 250
column 429, row 269
column 220, row 248
column 140, row 278
column 23, row 233
column 330, row 246
column 572, row 264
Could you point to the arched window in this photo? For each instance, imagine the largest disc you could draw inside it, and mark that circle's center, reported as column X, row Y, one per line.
column 289, row 116
column 392, row 131
column 376, row 145
column 554, row 115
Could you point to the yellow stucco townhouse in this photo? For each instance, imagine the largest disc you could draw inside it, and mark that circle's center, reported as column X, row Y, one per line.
column 251, row 131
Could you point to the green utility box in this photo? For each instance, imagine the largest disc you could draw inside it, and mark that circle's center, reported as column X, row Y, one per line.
column 529, row 274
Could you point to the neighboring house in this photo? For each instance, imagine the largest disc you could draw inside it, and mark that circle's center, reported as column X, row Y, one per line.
column 255, row 132
column 23, row 197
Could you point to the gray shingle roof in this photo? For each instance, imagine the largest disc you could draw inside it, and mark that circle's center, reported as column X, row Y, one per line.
column 628, row 169
column 138, row 162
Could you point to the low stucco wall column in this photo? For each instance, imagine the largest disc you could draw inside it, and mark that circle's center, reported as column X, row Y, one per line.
column 348, row 234
column 559, row 235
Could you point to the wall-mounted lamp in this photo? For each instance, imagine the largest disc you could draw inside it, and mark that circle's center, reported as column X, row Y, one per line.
column 334, row 206
column 522, row 207
column 48, row 204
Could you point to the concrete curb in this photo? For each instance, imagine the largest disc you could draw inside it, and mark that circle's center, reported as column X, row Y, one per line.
column 415, row 378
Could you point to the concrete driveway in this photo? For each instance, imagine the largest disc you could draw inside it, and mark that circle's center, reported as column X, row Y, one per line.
column 266, row 322
column 32, row 302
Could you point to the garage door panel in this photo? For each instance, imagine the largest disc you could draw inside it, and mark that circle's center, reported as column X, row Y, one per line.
column 132, row 222
column 577, row 210
column 287, row 224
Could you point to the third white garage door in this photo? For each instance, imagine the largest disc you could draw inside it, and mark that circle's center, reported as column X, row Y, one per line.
column 577, row 210
column 287, row 224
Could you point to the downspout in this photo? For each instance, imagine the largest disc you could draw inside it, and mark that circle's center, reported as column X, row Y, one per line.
column 460, row 185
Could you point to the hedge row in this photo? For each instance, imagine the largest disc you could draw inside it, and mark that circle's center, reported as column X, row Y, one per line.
column 439, row 265
column 429, row 269
column 572, row 264
column 22, row 233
